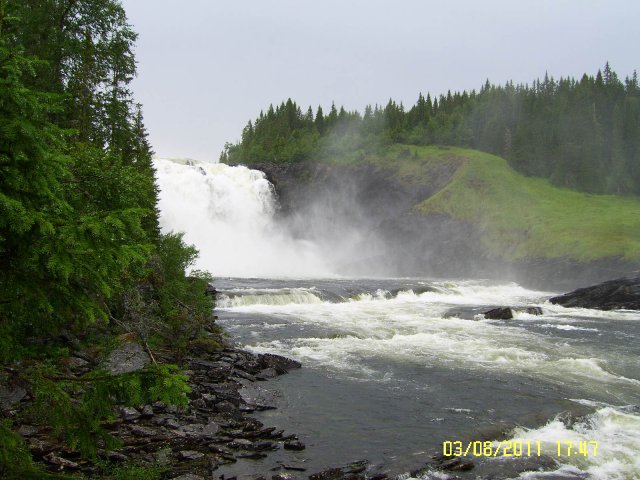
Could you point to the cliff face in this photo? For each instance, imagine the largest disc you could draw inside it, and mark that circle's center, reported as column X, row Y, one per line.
column 374, row 207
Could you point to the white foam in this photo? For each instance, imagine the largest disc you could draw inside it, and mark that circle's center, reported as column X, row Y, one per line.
column 590, row 368
column 283, row 297
column 618, row 435
column 228, row 214
column 586, row 313
column 568, row 327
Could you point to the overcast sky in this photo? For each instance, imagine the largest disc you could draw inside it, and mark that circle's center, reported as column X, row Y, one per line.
column 205, row 67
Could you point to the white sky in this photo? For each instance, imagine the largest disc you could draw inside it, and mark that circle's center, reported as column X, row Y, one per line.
column 205, row 67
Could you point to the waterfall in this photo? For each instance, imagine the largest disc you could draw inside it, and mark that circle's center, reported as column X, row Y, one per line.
column 228, row 213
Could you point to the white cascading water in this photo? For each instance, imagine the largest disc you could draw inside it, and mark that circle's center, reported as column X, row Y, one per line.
column 228, row 214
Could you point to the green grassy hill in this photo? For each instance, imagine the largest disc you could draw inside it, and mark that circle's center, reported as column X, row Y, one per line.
column 517, row 217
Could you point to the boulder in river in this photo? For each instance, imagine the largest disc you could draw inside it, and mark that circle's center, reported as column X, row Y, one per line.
column 507, row 313
column 622, row 293
column 501, row 313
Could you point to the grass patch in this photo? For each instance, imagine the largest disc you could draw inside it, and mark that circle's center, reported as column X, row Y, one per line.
column 518, row 217
column 525, row 217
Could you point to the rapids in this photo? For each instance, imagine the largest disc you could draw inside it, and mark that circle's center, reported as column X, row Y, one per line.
column 392, row 368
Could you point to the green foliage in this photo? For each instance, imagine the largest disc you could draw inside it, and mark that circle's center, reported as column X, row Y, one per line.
column 77, row 408
column 15, row 458
column 516, row 217
column 583, row 135
column 181, row 300
column 133, row 472
column 79, row 234
column 521, row 217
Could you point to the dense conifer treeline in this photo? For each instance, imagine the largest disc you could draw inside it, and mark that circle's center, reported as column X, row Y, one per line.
column 80, row 243
column 582, row 134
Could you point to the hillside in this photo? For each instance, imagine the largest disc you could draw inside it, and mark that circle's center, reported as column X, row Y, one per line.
column 522, row 217
column 450, row 211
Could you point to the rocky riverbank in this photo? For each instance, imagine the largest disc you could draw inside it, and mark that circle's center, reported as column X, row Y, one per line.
column 215, row 430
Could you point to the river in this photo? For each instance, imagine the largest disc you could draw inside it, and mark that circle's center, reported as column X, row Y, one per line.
column 394, row 368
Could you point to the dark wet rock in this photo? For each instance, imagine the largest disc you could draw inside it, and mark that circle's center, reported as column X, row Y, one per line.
column 213, row 430
column 130, row 357
column 77, row 363
column 456, row 464
column 252, row 455
column 168, row 421
column 294, row 468
column 246, row 376
column 190, row 455
column 352, row 471
column 623, row 293
column 241, row 443
column 533, row 310
column 147, row 411
column 188, row 476
column 116, row 457
column 226, row 407
column 260, row 398
column 294, row 445
column 201, row 431
column 27, row 430
column 60, row 463
column 210, row 290
column 329, row 474
column 500, row 313
column 513, row 467
column 140, row 431
column 9, row 397
column 244, row 444
column 280, row 364
column 129, row 414
column 267, row 373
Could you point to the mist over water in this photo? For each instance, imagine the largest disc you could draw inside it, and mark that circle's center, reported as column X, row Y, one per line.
column 228, row 213
column 393, row 367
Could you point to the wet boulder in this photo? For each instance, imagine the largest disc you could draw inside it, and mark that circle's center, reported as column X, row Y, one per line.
column 622, row 293
column 500, row 313
column 280, row 364
column 507, row 313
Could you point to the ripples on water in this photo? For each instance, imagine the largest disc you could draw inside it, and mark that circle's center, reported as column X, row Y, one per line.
column 393, row 368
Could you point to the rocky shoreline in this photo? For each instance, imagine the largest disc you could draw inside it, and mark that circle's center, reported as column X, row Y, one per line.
column 215, row 430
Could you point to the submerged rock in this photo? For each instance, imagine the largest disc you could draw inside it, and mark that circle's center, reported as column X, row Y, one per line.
column 294, row 445
column 353, row 471
column 622, row 293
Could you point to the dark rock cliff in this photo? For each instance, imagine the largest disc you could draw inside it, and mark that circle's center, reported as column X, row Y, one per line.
column 329, row 203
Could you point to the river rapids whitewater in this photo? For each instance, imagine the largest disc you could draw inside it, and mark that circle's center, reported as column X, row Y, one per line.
column 393, row 369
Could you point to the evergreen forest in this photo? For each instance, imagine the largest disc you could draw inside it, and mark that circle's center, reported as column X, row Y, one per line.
column 82, row 259
column 581, row 134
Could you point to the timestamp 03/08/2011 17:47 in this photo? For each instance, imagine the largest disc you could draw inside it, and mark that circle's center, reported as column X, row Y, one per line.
column 519, row 448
